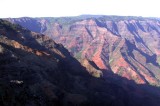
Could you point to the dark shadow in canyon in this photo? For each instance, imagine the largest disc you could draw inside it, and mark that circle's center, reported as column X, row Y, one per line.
column 67, row 84
column 68, row 78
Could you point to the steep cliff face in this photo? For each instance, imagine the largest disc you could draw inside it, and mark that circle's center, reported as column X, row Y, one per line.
column 36, row 71
column 129, row 46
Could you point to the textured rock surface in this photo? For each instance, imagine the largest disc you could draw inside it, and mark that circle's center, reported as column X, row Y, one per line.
column 129, row 46
column 36, row 71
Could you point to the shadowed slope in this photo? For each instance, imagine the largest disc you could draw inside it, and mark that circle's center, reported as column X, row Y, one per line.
column 128, row 46
column 35, row 71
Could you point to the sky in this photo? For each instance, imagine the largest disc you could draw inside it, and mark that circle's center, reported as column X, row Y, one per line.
column 60, row 8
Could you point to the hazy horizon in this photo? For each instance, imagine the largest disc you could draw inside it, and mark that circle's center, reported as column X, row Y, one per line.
column 79, row 16
column 62, row 8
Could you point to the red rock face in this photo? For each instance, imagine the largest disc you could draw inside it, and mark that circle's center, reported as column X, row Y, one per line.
column 128, row 47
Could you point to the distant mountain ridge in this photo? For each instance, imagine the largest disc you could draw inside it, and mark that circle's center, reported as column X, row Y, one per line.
column 129, row 46
column 36, row 71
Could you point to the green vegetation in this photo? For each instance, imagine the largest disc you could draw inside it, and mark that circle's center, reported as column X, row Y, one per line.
column 97, row 74
column 64, row 20
column 121, row 18
column 121, row 70
column 9, row 26
column 71, row 20
column 78, row 55
column 158, row 60
column 111, row 60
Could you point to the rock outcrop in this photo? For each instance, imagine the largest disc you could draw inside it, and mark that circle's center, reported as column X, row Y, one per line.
column 128, row 46
column 116, row 66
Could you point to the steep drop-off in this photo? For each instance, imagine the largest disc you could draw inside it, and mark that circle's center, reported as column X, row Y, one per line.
column 128, row 46
column 36, row 71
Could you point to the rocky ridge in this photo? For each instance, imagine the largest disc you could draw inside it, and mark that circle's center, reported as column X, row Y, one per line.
column 128, row 46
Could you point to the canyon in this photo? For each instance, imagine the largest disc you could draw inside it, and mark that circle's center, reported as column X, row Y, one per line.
column 80, row 61
column 127, row 46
